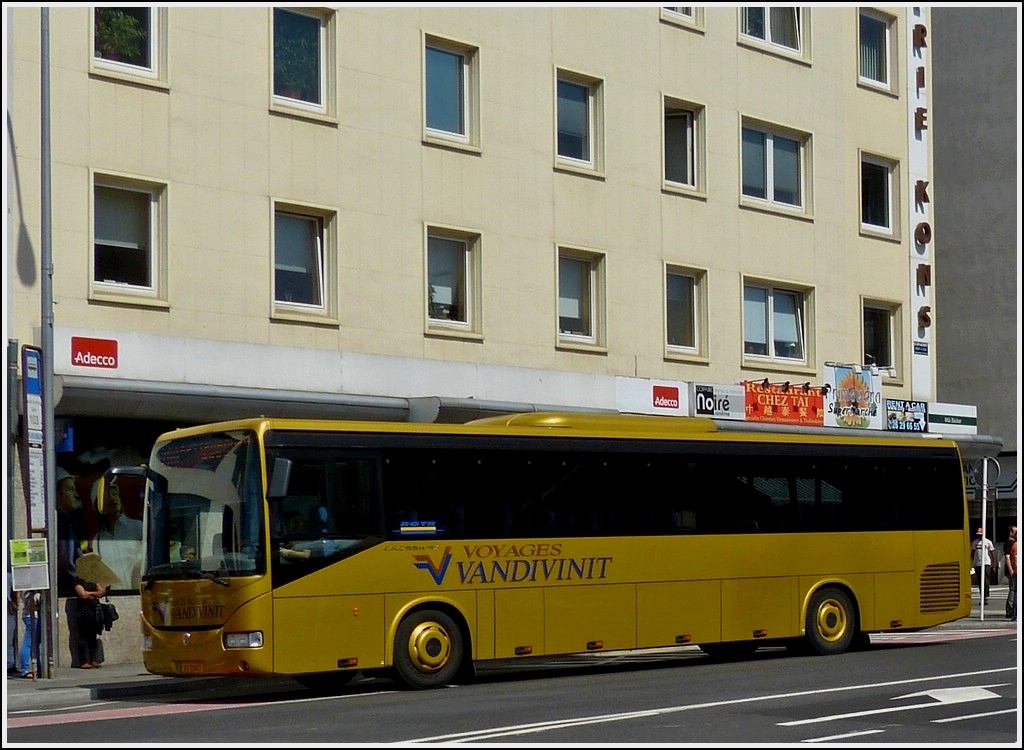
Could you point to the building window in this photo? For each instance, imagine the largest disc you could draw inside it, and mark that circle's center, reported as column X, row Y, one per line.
column 880, row 333
column 453, row 280
column 773, row 167
column 686, row 11
column 683, row 310
column 299, row 261
column 301, row 55
column 779, row 27
column 681, row 144
column 686, row 16
column 579, row 297
column 450, row 91
column 875, row 49
column 127, row 239
column 579, row 121
column 127, row 41
column 876, row 194
column 774, row 322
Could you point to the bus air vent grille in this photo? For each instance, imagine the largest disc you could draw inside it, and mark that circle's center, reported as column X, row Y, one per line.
column 940, row 588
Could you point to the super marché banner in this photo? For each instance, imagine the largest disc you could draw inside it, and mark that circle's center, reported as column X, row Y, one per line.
column 853, row 398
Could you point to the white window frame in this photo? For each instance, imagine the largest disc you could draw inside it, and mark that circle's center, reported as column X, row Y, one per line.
column 686, row 16
column 155, row 74
column 891, row 311
column 327, row 77
column 803, row 169
column 697, row 313
column 887, row 229
column 800, row 25
column 325, row 262
column 155, row 291
column 770, row 322
column 888, row 49
column 693, row 116
column 593, row 160
column 470, row 325
column 590, row 303
column 469, row 94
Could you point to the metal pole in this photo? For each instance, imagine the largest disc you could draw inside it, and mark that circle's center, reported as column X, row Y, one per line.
column 46, row 320
column 984, row 535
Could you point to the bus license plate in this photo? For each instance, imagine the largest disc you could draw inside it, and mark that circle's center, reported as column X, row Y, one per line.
column 188, row 667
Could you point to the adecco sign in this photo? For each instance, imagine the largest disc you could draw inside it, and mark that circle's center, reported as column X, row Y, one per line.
column 640, row 396
column 86, row 352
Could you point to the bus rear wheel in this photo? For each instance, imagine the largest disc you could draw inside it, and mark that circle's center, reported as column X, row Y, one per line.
column 428, row 649
column 831, row 621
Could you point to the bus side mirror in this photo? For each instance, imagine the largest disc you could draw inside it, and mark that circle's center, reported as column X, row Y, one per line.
column 279, row 478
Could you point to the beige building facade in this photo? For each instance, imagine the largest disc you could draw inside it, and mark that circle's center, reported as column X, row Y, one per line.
column 438, row 213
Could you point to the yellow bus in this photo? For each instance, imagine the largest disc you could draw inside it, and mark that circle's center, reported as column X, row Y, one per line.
column 319, row 549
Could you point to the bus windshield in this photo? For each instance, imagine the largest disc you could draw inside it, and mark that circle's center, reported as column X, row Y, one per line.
column 204, row 509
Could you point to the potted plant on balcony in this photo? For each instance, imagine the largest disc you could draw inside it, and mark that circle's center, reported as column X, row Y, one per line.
column 119, row 35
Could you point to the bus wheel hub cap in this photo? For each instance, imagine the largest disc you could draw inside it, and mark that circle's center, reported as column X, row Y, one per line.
column 429, row 646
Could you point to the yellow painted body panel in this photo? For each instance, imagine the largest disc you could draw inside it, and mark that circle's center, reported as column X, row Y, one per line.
column 518, row 621
column 674, row 609
column 314, row 634
column 575, row 616
column 754, row 605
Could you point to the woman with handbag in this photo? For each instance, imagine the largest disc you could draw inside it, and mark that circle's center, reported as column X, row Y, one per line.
column 88, row 621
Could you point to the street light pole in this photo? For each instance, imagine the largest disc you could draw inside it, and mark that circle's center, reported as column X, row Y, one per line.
column 46, row 324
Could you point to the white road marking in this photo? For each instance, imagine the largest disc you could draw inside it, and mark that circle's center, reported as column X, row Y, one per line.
column 533, row 728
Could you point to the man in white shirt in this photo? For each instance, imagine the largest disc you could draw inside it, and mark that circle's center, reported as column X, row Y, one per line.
column 119, row 540
column 984, row 557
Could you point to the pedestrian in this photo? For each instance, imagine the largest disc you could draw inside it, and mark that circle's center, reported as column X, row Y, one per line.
column 88, row 621
column 1013, row 579
column 1010, row 566
column 30, row 634
column 984, row 558
column 12, row 626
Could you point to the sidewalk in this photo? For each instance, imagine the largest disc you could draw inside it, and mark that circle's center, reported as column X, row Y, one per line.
column 114, row 681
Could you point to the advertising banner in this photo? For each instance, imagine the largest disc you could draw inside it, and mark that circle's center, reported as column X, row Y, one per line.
column 719, row 401
column 906, row 416
column 643, row 396
column 782, row 403
column 952, row 419
column 854, row 398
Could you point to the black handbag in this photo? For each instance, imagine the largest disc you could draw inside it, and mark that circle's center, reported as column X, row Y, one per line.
column 109, row 614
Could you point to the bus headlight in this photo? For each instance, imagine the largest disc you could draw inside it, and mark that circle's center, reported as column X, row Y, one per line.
column 252, row 639
column 147, row 643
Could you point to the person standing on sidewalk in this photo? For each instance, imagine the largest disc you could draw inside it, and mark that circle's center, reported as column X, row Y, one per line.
column 984, row 557
column 1010, row 565
column 1013, row 579
column 30, row 634
column 12, row 626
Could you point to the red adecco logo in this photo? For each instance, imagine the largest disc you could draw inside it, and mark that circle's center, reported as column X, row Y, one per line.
column 94, row 352
column 666, row 397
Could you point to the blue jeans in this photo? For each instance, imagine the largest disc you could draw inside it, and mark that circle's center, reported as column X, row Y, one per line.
column 30, row 637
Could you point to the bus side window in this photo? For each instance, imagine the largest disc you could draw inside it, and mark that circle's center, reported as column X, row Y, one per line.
column 744, row 527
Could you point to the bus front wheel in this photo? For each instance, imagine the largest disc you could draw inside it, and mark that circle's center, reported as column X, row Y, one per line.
column 831, row 621
column 428, row 649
